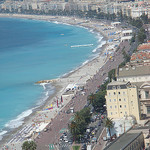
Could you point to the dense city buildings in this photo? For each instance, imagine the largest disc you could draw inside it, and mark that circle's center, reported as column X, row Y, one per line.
column 126, row 7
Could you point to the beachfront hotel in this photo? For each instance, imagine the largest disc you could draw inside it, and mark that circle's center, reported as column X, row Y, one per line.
column 122, row 100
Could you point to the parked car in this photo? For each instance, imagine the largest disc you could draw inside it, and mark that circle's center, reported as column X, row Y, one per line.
column 70, row 141
column 104, row 138
column 61, row 138
column 99, row 123
column 83, row 147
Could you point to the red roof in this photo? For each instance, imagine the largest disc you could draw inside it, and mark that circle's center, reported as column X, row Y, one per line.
column 140, row 56
column 145, row 46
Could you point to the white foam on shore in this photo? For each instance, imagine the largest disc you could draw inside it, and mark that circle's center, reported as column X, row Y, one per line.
column 48, row 90
column 19, row 119
column 1, row 134
column 56, row 22
column 99, row 46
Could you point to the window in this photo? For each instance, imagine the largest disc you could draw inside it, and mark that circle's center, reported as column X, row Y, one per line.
column 118, row 92
column 114, row 93
column 118, row 87
column 125, row 112
column 114, row 100
column 115, row 106
column 124, row 106
column 120, row 106
column 140, row 96
column 124, row 99
column 113, row 87
column 124, row 93
column 111, row 113
column 146, row 94
column 109, row 94
column 110, row 100
column 120, row 100
column 110, row 106
column 148, row 109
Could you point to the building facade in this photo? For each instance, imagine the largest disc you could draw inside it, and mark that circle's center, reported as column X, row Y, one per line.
column 122, row 100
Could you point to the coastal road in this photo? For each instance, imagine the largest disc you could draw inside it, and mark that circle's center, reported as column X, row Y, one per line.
column 78, row 102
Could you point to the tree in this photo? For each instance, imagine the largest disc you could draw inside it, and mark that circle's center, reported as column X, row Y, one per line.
column 109, row 125
column 29, row 145
column 78, row 125
column 91, row 98
column 141, row 35
column 126, row 56
column 74, row 129
column 144, row 18
column 111, row 75
column 99, row 100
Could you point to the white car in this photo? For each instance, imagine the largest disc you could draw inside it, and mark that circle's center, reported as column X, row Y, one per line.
column 66, row 141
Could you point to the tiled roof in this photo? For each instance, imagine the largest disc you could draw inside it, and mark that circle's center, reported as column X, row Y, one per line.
column 144, row 46
column 140, row 56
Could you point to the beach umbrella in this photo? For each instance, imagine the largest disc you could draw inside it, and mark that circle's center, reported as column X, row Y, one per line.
column 61, row 99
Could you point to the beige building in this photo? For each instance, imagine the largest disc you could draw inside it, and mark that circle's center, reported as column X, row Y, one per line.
column 122, row 100
column 143, row 93
column 138, row 73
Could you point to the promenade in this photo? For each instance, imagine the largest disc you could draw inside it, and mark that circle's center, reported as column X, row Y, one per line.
column 61, row 120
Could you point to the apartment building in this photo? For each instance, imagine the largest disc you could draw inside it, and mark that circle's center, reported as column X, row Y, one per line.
column 122, row 100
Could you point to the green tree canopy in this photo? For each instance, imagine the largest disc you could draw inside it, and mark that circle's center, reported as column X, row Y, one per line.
column 141, row 35
column 29, row 145
column 78, row 125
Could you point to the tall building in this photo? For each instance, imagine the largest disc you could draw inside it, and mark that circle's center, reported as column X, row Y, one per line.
column 137, row 71
column 122, row 100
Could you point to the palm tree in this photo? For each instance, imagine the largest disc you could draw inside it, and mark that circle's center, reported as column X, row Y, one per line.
column 91, row 98
column 109, row 125
column 74, row 129
column 29, row 145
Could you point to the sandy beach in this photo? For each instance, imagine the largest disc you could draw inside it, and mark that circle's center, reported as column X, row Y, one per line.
column 71, row 89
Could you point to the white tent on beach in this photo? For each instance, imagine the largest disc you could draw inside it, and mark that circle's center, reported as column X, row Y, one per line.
column 71, row 87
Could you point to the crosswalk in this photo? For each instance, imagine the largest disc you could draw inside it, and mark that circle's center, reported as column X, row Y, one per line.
column 65, row 145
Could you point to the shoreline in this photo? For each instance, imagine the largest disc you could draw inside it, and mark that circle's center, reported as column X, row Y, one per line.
column 62, row 82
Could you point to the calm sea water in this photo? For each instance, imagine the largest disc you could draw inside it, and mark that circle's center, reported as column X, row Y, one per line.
column 33, row 50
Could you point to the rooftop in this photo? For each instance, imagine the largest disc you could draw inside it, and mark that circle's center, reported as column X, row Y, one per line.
column 134, row 71
column 140, row 56
column 144, row 46
column 117, row 83
column 123, row 141
column 127, row 31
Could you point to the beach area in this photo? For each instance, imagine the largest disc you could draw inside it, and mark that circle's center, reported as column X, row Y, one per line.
column 71, row 90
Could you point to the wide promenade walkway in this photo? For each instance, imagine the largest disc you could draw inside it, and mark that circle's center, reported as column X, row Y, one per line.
column 60, row 122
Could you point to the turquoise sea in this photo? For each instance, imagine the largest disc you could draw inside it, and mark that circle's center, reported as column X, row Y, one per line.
column 30, row 51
